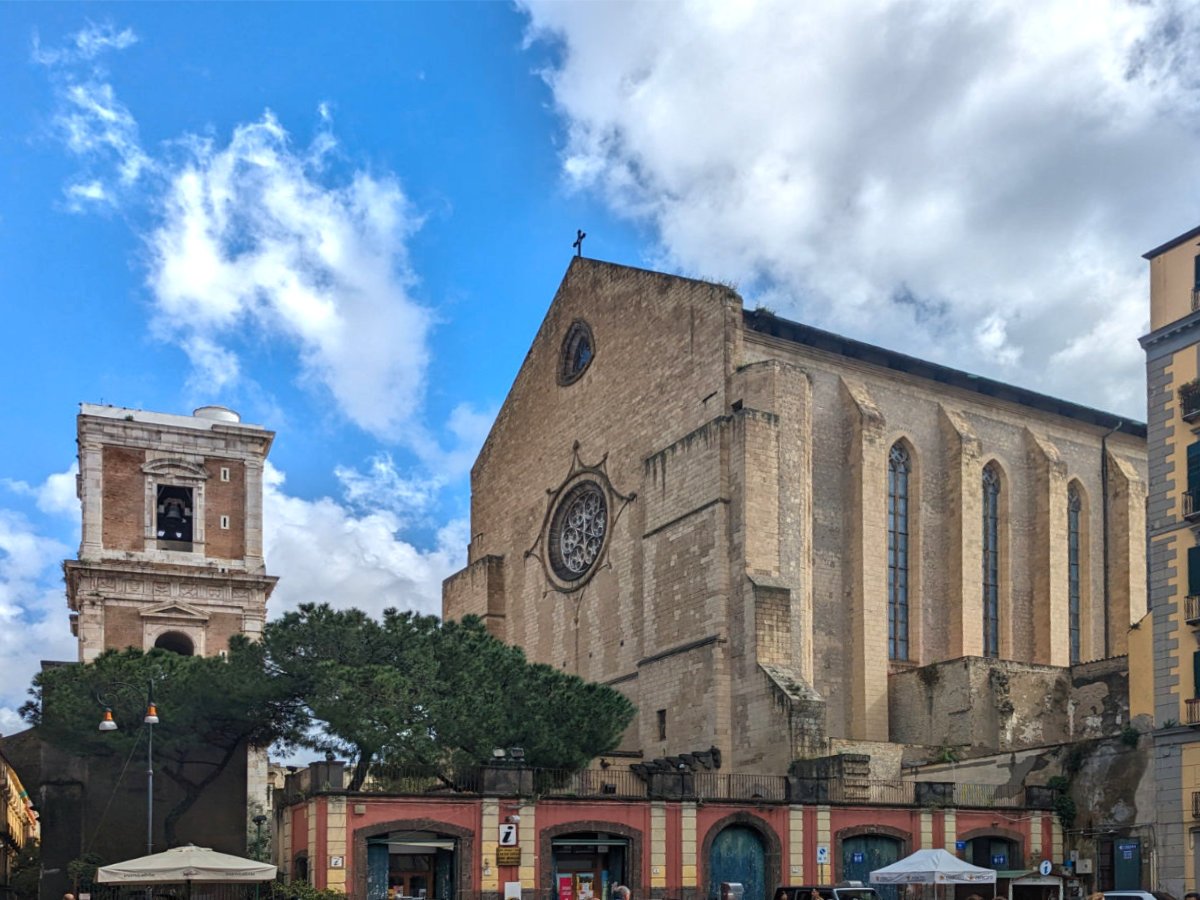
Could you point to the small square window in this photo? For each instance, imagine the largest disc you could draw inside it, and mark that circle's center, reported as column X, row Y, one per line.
column 225, row 521
column 224, row 473
column 662, row 724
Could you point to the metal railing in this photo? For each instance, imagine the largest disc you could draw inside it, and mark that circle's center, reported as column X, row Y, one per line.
column 622, row 784
column 1191, row 609
column 1192, row 711
column 1189, row 400
column 1191, row 508
column 386, row 779
column 602, row 783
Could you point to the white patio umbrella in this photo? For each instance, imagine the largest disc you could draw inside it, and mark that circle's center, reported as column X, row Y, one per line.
column 184, row 865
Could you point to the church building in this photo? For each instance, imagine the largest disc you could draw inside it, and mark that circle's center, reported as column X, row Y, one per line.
column 787, row 545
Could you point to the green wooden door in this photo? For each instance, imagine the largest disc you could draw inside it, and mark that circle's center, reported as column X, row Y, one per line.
column 864, row 854
column 738, row 856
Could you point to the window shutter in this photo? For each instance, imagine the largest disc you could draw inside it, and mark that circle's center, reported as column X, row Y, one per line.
column 1193, row 466
column 1193, row 574
column 1196, row 674
column 1196, row 280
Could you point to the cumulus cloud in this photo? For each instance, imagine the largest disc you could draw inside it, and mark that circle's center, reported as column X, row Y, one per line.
column 54, row 496
column 253, row 234
column 351, row 557
column 33, row 613
column 256, row 235
column 970, row 182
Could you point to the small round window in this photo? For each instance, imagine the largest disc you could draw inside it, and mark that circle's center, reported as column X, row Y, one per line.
column 577, row 531
column 577, row 351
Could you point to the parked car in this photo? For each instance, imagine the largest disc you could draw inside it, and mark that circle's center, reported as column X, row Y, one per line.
column 849, row 890
column 1137, row 895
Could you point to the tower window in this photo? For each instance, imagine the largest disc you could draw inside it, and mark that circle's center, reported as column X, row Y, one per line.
column 174, row 512
column 224, row 473
column 225, row 522
column 662, row 724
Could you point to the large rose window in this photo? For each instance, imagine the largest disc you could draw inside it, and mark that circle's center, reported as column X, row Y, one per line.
column 577, row 531
column 581, row 517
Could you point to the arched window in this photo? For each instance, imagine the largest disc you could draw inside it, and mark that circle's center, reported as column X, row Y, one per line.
column 1074, row 509
column 899, row 468
column 991, row 560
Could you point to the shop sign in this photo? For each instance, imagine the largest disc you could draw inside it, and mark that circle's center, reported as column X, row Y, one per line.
column 337, row 862
column 508, row 856
column 999, row 861
column 857, row 857
column 564, row 888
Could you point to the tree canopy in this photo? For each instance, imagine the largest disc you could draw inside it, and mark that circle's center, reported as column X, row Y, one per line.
column 413, row 690
column 210, row 709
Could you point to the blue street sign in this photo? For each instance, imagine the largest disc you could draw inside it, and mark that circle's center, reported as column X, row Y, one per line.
column 960, row 845
column 856, row 857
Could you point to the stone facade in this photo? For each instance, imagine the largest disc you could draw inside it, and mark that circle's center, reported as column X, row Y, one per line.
column 738, row 591
column 129, row 587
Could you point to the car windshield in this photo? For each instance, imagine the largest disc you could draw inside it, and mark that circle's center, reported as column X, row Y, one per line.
column 855, row 894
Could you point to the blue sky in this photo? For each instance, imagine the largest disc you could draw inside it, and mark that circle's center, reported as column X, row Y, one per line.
column 347, row 220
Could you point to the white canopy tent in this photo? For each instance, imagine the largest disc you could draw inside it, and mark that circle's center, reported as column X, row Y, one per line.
column 932, row 867
column 185, row 865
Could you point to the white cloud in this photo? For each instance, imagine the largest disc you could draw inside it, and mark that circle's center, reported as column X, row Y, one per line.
column 85, row 45
column 253, row 234
column 89, row 119
column 335, row 554
column 54, row 496
column 382, row 486
column 970, row 182
column 33, row 612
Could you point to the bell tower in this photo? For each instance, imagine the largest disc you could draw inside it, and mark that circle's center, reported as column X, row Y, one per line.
column 171, row 553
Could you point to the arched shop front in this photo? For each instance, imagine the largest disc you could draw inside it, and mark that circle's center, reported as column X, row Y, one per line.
column 423, row 863
column 586, row 865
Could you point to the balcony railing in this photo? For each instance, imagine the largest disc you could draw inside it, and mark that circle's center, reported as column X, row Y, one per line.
column 1191, row 609
column 1191, row 505
column 1192, row 711
column 1196, row 298
column 1189, row 401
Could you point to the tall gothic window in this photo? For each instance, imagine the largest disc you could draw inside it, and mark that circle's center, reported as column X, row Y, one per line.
column 991, row 561
column 1074, row 508
column 899, row 467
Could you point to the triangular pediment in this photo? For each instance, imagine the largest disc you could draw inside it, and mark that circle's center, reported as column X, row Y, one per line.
column 173, row 467
column 174, row 610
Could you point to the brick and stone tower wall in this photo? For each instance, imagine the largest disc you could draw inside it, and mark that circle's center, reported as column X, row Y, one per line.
column 171, row 552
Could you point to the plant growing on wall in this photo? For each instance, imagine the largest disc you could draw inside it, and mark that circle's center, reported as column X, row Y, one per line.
column 1064, row 805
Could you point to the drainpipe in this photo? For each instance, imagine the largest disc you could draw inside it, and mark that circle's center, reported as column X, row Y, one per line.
column 1104, row 512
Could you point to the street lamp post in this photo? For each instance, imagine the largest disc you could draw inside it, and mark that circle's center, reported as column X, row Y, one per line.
column 149, row 720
